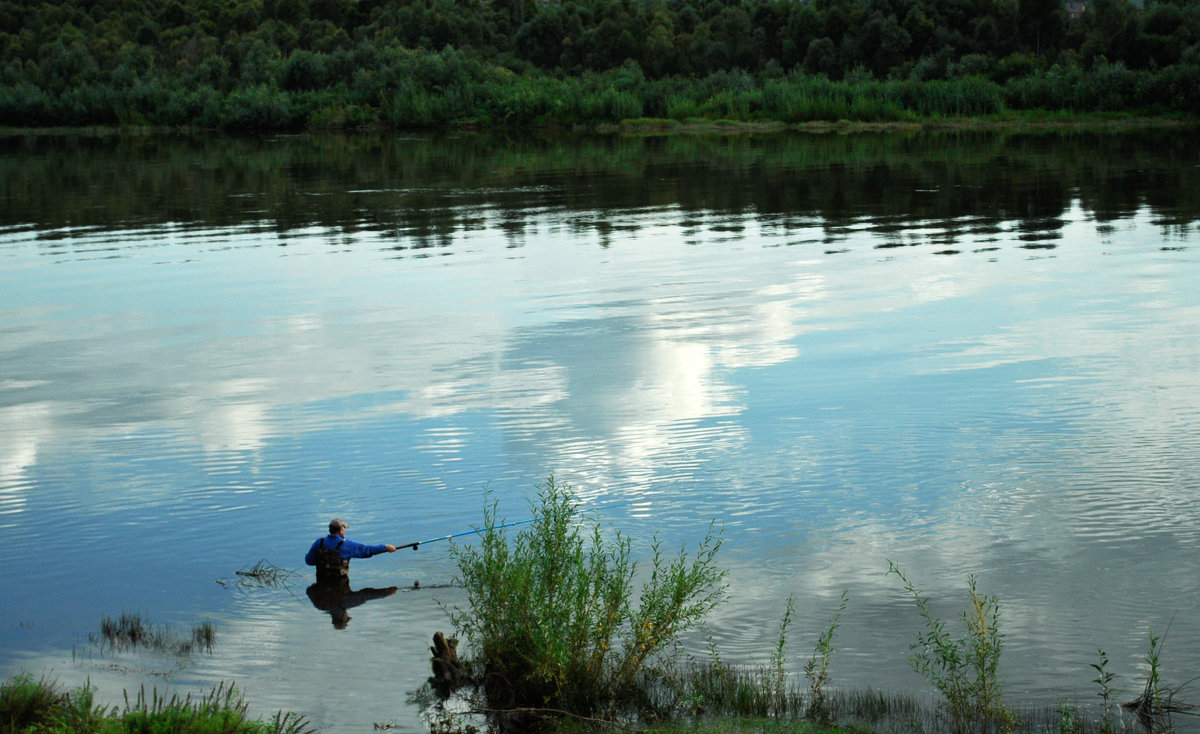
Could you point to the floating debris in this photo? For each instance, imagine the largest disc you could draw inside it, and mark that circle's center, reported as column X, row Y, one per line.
column 262, row 575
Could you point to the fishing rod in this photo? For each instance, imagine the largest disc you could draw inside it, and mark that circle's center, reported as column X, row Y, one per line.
column 418, row 543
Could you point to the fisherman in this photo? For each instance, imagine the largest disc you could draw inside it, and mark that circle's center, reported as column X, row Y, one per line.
column 331, row 554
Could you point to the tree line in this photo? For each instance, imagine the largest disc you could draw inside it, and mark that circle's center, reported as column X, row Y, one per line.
column 338, row 63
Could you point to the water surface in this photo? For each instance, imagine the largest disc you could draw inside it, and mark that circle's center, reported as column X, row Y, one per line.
column 964, row 353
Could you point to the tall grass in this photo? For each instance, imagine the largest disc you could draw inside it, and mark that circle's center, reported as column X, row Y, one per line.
column 222, row 710
column 26, row 703
column 554, row 620
column 40, row 706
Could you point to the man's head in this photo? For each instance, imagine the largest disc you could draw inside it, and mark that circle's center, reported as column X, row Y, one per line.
column 337, row 526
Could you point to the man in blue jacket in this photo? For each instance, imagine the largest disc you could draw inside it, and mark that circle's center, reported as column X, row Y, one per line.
column 331, row 554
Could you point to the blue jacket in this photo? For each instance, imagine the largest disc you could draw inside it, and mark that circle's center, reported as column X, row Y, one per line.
column 349, row 549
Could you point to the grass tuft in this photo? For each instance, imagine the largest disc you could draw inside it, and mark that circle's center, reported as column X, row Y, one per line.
column 132, row 630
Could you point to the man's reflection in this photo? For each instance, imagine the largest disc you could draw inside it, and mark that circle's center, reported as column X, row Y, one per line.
column 336, row 598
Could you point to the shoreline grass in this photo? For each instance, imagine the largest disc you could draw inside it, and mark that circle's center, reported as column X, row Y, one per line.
column 29, row 706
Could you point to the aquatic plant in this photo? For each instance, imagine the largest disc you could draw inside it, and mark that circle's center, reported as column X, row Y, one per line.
column 1107, row 693
column 1158, row 703
column 553, row 619
column 132, row 630
column 1067, row 722
column 778, row 658
column 962, row 669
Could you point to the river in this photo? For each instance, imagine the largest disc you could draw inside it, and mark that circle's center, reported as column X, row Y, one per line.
column 962, row 352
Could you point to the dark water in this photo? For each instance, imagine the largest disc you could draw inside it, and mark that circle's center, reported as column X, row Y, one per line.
column 964, row 353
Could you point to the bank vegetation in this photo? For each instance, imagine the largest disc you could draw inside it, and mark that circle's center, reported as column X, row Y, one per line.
column 292, row 64
column 41, row 706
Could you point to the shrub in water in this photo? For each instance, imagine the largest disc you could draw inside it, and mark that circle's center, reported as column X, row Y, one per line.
column 552, row 620
column 963, row 669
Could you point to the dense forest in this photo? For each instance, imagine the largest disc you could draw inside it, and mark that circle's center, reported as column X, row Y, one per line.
column 284, row 64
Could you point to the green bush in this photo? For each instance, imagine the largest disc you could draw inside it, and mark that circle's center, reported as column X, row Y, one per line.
column 551, row 616
column 260, row 107
column 963, row 669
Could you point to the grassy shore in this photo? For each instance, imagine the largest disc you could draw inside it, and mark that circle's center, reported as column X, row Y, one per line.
column 28, row 705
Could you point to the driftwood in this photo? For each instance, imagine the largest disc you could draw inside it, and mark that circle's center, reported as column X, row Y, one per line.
column 449, row 674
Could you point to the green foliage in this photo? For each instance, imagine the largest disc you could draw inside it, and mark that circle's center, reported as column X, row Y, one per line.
column 1152, row 695
column 28, row 706
column 552, row 617
column 817, row 668
column 778, row 684
column 1107, row 693
column 221, row 711
column 963, row 669
column 1068, row 723
column 261, row 107
column 257, row 64
column 25, row 702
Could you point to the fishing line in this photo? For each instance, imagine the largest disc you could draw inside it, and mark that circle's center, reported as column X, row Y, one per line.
column 419, row 543
column 416, row 544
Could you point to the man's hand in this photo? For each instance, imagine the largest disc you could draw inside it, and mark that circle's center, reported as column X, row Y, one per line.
column 390, row 548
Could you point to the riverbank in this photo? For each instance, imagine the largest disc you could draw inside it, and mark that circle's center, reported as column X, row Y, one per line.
column 657, row 126
column 998, row 123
